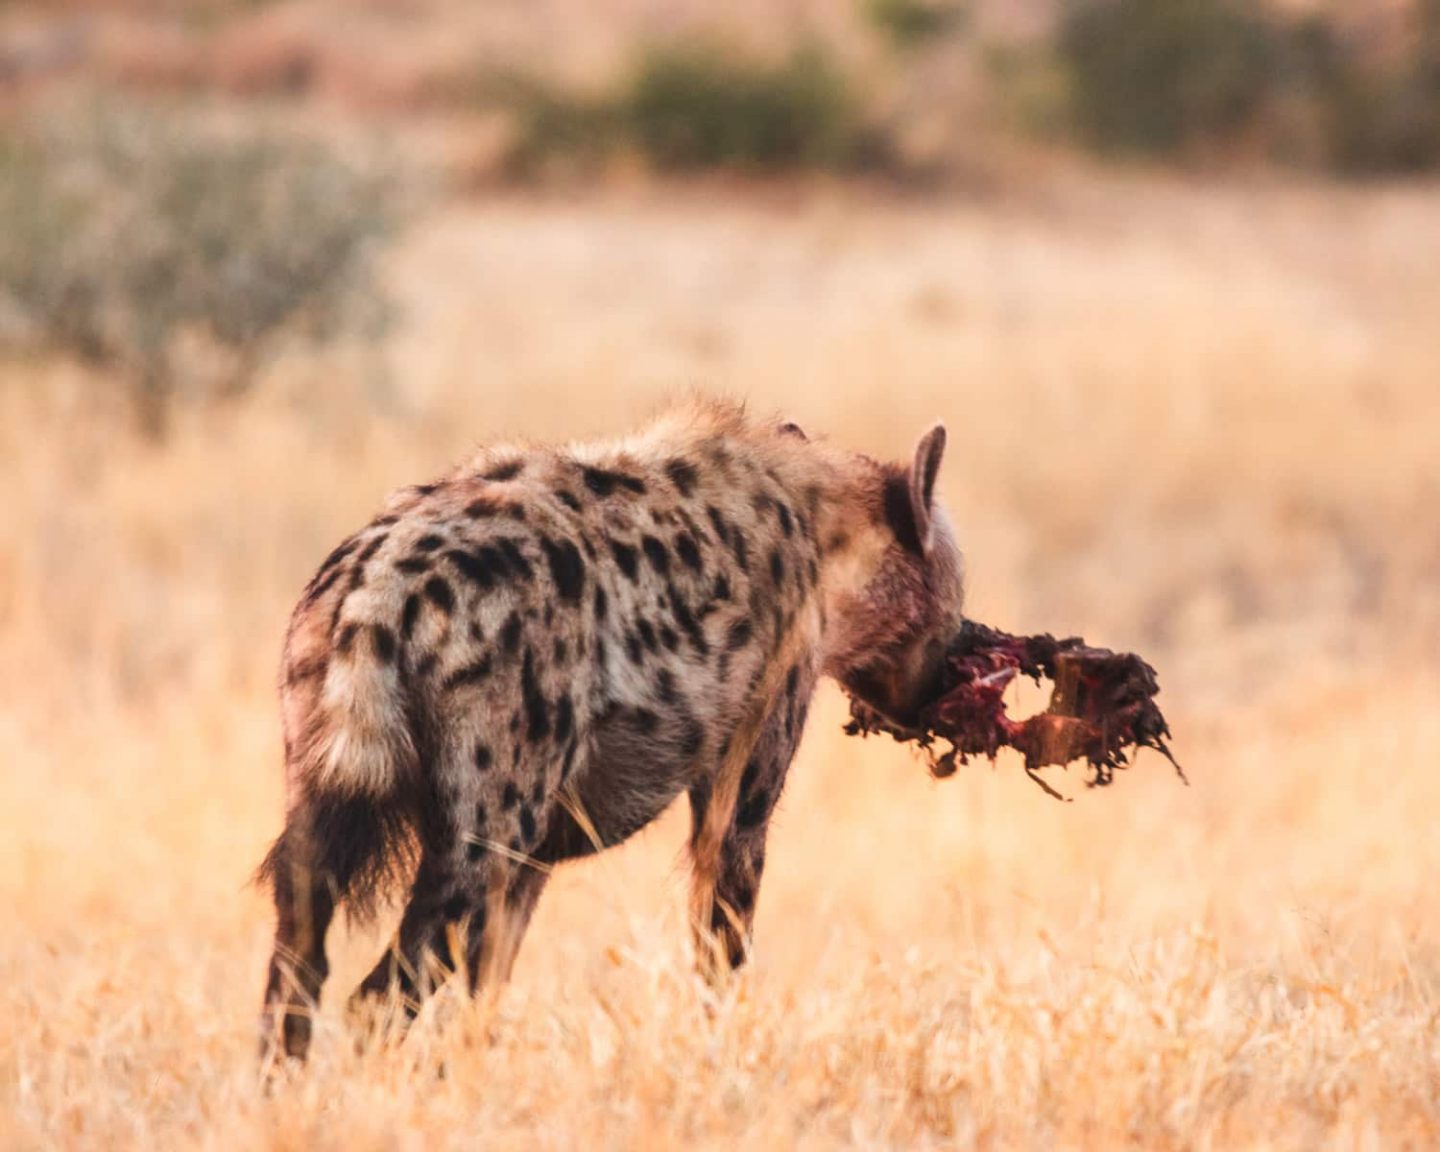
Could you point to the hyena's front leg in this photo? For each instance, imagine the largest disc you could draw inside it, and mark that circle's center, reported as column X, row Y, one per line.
column 729, row 858
column 725, row 892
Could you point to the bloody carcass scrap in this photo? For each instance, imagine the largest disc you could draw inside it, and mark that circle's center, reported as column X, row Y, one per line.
column 1103, row 703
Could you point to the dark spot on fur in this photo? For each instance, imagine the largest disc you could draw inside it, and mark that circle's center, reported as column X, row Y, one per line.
column 647, row 634
column 410, row 615
column 346, row 640
column 787, row 526
column 683, row 475
column 669, row 637
column 429, row 542
column 510, row 633
column 426, row 664
column 511, row 798
column 657, row 555
column 515, row 511
column 413, row 565
column 383, row 642
column 455, row 907
column 472, row 568
column 569, row 499
column 474, row 850
column 722, row 588
column 423, row 490
column 564, row 719
column 646, row 720
column 668, row 692
column 741, row 549
column 537, row 710
column 603, row 481
column 439, row 593
column 633, row 648
column 468, row 676
column 560, row 650
column 510, row 549
column 688, row 624
column 566, row 567
column 687, row 551
column 506, row 471
column 739, row 635
column 483, row 759
column 692, row 736
column 812, row 571
column 339, row 553
column 626, row 557
column 482, row 507
column 322, row 584
column 527, row 824
column 717, row 521
column 792, row 681
column 777, row 566
column 368, row 552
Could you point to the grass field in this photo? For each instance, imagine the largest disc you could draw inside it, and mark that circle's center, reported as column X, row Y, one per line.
column 1199, row 422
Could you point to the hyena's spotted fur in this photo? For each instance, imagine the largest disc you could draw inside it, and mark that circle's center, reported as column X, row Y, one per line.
column 528, row 660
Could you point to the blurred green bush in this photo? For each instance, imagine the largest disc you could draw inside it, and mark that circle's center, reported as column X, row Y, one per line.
column 1166, row 77
column 912, row 23
column 168, row 253
column 1159, row 75
column 695, row 105
column 698, row 105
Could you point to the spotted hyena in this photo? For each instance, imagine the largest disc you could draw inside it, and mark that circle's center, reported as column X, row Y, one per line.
column 528, row 660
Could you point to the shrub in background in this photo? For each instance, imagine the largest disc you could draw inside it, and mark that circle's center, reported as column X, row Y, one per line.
column 911, row 23
column 695, row 105
column 1155, row 76
column 144, row 244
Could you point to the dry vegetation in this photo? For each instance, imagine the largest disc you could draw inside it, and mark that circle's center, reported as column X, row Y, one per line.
column 1199, row 424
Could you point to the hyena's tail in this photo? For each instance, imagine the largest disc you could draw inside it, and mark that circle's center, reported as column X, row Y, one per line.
column 354, row 784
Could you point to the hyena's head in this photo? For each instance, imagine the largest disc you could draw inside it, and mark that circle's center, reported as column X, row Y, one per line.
column 895, row 584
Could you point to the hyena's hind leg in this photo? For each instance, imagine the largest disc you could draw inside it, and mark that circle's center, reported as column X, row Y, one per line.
column 331, row 850
column 446, row 921
column 476, row 885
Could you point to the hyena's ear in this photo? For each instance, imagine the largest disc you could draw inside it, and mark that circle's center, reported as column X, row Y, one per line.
column 923, row 471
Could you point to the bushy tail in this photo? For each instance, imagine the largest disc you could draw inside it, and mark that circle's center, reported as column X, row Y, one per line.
column 361, row 739
column 361, row 849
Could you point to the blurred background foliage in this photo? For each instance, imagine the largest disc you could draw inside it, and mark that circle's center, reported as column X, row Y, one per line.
column 182, row 250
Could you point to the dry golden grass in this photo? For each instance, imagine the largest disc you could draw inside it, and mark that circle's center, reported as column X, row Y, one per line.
column 1200, row 424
